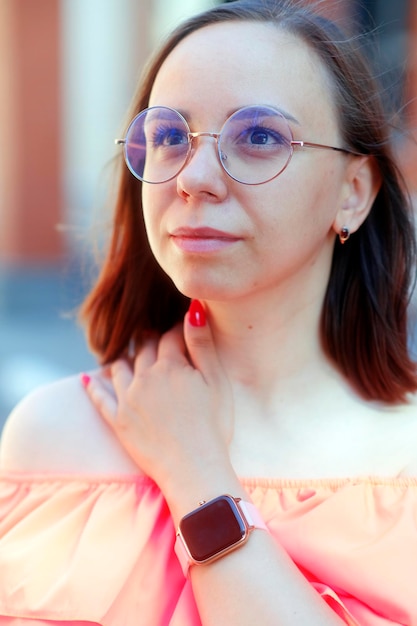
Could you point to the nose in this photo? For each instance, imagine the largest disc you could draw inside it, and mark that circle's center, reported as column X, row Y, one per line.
column 203, row 173
column 194, row 137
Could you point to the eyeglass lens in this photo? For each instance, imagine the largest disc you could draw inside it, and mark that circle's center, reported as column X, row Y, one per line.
column 253, row 146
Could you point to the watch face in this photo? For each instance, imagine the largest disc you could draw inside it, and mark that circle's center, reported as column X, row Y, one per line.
column 213, row 528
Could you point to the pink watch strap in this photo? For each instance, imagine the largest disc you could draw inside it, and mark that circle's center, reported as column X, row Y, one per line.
column 182, row 555
column 252, row 515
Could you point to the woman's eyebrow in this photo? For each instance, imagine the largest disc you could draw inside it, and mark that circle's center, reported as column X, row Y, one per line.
column 265, row 108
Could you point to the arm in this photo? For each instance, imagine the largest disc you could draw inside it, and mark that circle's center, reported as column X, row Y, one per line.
column 174, row 415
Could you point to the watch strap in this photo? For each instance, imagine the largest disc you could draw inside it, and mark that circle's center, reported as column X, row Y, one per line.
column 182, row 555
column 252, row 515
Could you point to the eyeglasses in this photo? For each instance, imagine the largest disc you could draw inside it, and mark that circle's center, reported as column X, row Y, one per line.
column 254, row 145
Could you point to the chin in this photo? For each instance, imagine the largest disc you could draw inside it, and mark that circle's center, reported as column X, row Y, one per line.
column 206, row 281
column 200, row 290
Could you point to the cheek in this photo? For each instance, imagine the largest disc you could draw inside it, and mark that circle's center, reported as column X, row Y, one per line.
column 300, row 212
column 315, row 195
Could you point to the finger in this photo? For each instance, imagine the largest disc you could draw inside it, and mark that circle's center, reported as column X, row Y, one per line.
column 199, row 342
column 172, row 345
column 122, row 376
column 102, row 395
column 147, row 354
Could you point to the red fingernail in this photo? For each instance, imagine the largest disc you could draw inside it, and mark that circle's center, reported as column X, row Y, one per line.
column 85, row 380
column 196, row 314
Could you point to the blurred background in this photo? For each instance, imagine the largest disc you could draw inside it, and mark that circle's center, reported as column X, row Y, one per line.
column 68, row 69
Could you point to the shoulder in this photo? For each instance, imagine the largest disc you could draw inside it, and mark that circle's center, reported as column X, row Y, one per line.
column 404, row 432
column 56, row 429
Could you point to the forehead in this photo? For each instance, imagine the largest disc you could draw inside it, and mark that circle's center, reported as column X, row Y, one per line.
column 234, row 64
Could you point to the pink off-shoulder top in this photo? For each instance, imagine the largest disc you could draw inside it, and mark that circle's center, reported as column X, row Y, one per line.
column 93, row 550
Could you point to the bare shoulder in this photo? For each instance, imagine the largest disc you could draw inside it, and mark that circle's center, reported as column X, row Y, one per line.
column 56, row 429
column 407, row 429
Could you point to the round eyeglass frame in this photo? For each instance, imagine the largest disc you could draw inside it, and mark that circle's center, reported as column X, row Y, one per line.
column 293, row 143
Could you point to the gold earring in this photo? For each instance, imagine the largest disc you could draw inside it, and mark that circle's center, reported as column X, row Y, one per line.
column 344, row 234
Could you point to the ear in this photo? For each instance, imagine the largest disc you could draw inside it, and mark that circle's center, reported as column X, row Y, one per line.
column 362, row 183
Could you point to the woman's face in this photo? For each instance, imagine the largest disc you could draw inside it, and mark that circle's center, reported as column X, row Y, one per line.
column 218, row 238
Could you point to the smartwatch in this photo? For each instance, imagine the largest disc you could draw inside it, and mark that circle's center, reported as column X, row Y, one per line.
column 214, row 529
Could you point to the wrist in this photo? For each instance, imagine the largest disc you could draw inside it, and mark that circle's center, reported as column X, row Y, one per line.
column 184, row 492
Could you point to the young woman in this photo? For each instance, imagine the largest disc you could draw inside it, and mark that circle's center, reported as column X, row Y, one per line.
column 274, row 424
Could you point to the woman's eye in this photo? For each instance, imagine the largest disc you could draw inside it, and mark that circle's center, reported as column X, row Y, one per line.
column 169, row 137
column 262, row 137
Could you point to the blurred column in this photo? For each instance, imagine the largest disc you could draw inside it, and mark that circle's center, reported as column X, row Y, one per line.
column 168, row 14
column 409, row 152
column 30, row 197
column 104, row 46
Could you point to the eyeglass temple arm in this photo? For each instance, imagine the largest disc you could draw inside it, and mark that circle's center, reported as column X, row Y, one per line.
column 309, row 144
column 300, row 144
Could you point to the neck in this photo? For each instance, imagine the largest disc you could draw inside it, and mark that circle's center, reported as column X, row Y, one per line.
column 262, row 342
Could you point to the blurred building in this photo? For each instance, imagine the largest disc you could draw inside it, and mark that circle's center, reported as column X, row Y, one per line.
column 68, row 69
column 67, row 72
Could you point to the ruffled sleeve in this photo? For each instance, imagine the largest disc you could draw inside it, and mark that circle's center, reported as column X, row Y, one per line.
column 354, row 540
column 89, row 551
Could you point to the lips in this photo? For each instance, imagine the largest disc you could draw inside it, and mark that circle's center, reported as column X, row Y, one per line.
column 203, row 239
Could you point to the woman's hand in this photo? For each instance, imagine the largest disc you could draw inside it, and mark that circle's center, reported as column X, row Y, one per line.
column 174, row 415
column 174, row 412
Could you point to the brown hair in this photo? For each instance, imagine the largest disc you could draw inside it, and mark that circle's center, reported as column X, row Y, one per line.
column 364, row 319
